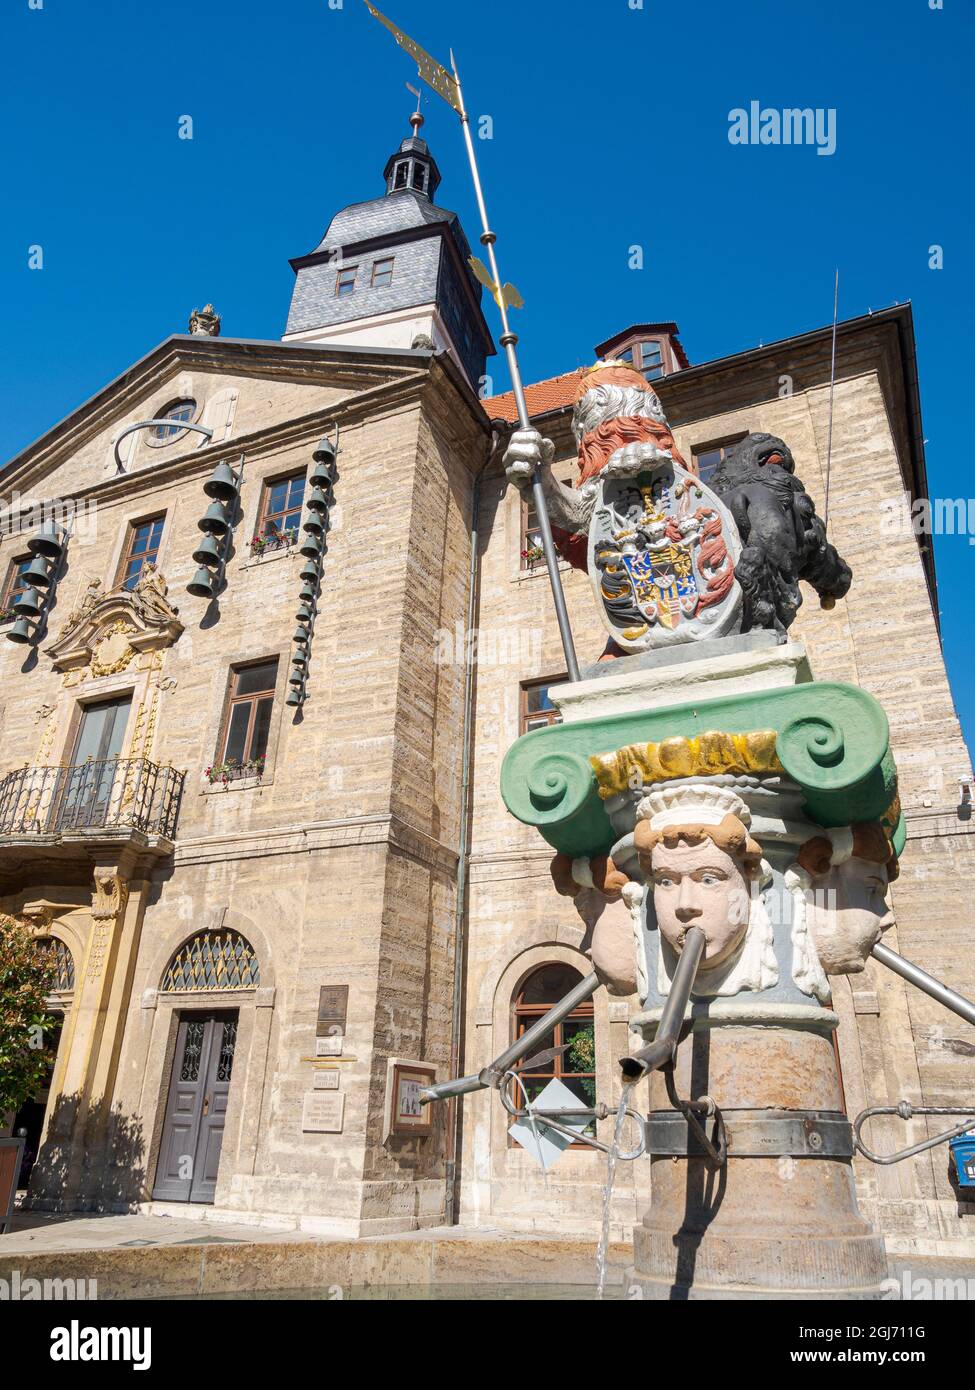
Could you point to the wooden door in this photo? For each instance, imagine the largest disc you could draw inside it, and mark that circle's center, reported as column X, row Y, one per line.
column 89, row 787
column 189, row 1156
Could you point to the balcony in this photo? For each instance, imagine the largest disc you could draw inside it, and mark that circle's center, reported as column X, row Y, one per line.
column 61, row 812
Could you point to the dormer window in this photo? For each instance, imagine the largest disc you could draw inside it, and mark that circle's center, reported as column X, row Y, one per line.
column 653, row 349
column 382, row 272
column 345, row 280
column 177, row 412
column 651, row 360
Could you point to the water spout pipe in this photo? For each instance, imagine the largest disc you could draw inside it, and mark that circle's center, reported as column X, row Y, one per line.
column 914, row 975
column 493, row 1074
column 444, row 1090
column 663, row 1049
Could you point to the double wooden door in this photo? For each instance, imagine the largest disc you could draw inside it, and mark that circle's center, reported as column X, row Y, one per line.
column 196, row 1108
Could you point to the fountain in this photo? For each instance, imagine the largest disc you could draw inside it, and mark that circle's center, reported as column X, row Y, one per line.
column 727, row 827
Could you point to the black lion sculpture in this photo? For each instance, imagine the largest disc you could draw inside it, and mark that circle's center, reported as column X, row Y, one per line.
column 783, row 539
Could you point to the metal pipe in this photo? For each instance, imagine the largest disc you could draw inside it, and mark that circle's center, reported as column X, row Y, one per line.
column 144, row 424
column 493, row 1073
column 914, row 975
column 661, row 1052
column 465, row 1084
column 444, row 1090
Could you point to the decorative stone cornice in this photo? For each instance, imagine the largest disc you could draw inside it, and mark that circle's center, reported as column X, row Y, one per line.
column 106, row 634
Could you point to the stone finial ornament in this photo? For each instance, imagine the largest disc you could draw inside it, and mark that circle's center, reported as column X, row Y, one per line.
column 205, row 322
column 839, row 884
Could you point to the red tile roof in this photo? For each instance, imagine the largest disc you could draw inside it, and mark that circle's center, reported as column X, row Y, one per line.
column 560, row 391
column 542, row 397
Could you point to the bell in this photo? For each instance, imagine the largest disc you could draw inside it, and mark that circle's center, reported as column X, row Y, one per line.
column 300, row 634
column 38, row 572
column 207, row 552
column 312, row 524
column 304, row 614
column 221, row 484
column 214, row 519
column 201, row 585
column 308, row 593
column 317, row 501
column 299, row 658
column 324, row 452
column 47, row 542
column 295, row 697
column 320, row 477
column 297, row 677
column 309, row 572
column 21, row 631
column 29, row 604
column 311, row 548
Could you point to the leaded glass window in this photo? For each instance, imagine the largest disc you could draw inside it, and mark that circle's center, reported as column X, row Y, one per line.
column 63, row 964
column 213, row 960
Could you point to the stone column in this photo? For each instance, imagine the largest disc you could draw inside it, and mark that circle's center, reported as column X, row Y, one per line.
column 780, row 1219
column 76, row 1151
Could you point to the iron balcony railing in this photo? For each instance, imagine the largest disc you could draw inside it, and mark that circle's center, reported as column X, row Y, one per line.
column 114, row 793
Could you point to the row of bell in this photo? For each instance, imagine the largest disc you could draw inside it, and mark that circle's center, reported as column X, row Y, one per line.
column 314, row 525
column 46, row 546
column 222, row 485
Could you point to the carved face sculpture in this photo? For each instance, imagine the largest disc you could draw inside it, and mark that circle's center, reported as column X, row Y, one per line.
column 847, row 871
column 848, row 915
column 700, row 886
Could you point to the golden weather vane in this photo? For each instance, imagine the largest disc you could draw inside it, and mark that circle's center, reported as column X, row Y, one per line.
column 505, row 296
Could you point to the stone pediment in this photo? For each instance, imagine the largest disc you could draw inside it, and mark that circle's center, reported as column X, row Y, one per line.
column 108, row 633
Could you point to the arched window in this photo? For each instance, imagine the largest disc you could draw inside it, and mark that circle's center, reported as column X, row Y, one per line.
column 177, row 412
column 212, row 960
column 60, row 952
column 576, row 1066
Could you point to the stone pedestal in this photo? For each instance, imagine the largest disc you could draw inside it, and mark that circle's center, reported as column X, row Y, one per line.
column 783, row 1224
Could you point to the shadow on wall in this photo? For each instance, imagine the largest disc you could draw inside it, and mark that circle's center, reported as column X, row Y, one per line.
column 101, row 1169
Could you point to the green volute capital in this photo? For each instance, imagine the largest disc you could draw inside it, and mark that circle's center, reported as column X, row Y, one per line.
column 831, row 738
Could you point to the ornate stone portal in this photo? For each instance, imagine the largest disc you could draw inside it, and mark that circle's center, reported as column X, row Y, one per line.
column 766, row 817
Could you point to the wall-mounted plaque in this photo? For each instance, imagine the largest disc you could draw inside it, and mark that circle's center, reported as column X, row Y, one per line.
column 323, row 1112
column 326, row 1080
column 329, row 1046
column 333, row 1009
column 405, row 1114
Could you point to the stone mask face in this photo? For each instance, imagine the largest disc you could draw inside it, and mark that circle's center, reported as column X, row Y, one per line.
column 701, row 886
column 848, row 914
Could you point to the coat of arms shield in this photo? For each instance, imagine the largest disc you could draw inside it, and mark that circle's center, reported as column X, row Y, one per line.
column 662, row 554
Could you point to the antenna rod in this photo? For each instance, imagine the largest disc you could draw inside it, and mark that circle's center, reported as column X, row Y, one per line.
column 509, row 342
column 832, row 386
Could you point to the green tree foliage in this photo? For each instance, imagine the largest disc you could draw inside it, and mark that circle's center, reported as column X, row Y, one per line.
column 26, row 978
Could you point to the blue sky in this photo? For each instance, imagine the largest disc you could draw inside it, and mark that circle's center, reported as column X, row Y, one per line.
column 610, row 129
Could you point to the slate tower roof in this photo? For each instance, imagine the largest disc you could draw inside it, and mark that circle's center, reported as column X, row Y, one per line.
column 382, row 260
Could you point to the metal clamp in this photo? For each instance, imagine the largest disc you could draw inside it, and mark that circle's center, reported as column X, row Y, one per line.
column 756, row 1134
column 906, row 1111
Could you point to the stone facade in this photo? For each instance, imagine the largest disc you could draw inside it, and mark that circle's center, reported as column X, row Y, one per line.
column 338, row 865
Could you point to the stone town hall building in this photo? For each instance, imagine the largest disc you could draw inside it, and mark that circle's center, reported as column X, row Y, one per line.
column 267, row 870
